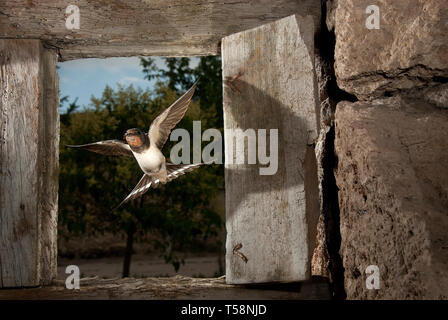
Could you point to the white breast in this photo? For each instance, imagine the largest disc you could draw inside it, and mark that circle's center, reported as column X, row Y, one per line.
column 150, row 160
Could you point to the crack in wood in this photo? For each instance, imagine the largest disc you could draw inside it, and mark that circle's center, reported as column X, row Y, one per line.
column 50, row 46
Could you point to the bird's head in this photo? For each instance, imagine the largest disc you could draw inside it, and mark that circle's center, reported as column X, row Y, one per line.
column 136, row 138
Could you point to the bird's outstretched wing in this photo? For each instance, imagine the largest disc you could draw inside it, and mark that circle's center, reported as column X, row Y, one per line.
column 177, row 170
column 108, row 147
column 142, row 186
column 147, row 182
column 161, row 126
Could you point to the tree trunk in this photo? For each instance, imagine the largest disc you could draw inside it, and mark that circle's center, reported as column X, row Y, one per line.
column 128, row 252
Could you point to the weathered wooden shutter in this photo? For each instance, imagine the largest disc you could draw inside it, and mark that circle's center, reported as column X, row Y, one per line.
column 29, row 144
column 270, row 83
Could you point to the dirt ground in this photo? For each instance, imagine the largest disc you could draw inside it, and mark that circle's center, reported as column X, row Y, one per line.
column 143, row 266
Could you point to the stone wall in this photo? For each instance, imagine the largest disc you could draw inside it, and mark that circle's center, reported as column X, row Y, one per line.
column 391, row 147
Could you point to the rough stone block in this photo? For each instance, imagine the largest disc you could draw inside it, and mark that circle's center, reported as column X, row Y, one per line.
column 393, row 178
column 410, row 48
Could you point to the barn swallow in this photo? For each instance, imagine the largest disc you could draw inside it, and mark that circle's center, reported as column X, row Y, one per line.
column 146, row 148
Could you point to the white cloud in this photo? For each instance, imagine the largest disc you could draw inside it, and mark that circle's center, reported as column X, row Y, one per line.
column 129, row 80
column 110, row 65
column 114, row 65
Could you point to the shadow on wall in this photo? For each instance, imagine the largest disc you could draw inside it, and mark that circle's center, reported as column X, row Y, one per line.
column 292, row 132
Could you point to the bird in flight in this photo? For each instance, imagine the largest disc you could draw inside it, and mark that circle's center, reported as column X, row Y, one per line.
column 146, row 148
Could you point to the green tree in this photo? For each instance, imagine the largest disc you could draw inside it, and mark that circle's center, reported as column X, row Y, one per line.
column 179, row 76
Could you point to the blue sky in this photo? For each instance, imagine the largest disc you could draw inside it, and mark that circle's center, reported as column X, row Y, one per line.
column 86, row 77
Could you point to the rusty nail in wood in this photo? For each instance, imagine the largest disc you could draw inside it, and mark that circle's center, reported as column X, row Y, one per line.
column 239, row 254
